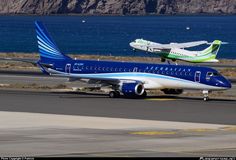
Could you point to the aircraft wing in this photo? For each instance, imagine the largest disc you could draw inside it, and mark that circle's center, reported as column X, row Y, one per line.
column 174, row 45
column 101, row 77
column 187, row 44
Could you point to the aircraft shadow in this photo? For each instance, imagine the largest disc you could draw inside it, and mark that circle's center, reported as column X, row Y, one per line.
column 189, row 98
column 166, row 97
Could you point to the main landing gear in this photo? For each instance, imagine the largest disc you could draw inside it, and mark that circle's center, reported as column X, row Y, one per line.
column 114, row 94
column 205, row 95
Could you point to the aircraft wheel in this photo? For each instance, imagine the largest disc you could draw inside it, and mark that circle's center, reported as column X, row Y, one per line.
column 205, row 93
column 117, row 94
column 144, row 94
column 114, row 94
column 206, row 98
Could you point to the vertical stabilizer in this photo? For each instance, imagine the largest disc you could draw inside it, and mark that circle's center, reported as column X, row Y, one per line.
column 212, row 49
column 48, row 49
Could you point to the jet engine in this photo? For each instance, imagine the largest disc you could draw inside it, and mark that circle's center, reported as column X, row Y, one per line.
column 132, row 89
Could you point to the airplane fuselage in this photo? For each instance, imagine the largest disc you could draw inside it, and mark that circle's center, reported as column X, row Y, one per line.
column 173, row 53
column 188, row 56
column 154, row 76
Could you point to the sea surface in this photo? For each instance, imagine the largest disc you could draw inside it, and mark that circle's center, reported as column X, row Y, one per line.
column 111, row 35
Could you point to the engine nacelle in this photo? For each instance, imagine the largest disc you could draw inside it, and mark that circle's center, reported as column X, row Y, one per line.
column 172, row 91
column 132, row 89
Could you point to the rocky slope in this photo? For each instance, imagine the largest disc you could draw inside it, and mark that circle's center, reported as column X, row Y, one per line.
column 120, row 7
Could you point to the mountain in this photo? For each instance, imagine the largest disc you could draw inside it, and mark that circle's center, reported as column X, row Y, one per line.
column 117, row 7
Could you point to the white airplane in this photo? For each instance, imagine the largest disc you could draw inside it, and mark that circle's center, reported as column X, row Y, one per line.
column 177, row 51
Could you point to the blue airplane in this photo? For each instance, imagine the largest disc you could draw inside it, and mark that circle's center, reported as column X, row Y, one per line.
column 131, row 79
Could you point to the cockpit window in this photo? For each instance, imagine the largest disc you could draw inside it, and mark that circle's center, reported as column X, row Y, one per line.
column 216, row 74
column 211, row 74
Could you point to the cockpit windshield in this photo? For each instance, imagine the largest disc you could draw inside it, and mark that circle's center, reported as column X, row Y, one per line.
column 210, row 74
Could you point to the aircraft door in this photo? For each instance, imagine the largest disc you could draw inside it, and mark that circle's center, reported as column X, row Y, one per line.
column 68, row 68
column 197, row 76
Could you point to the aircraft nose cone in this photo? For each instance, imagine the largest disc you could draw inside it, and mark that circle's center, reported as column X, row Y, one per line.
column 223, row 82
column 227, row 84
column 131, row 44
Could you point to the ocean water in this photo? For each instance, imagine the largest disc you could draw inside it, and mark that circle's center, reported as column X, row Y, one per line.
column 111, row 35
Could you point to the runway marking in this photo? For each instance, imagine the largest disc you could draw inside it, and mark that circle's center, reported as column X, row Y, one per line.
column 153, row 133
column 161, row 99
column 230, row 129
column 181, row 131
column 200, row 130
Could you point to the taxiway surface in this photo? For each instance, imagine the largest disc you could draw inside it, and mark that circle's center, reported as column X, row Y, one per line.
column 49, row 123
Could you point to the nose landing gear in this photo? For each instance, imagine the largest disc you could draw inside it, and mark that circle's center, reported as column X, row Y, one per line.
column 163, row 59
column 205, row 95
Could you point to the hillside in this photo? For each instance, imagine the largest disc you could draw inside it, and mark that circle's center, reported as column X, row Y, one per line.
column 117, row 7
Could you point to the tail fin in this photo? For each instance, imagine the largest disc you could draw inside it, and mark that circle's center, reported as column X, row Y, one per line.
column 213, row 49
column 48, row 50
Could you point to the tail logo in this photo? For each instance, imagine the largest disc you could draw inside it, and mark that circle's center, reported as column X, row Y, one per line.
column 47, row 47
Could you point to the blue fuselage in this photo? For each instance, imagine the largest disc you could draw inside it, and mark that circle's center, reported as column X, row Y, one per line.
column 198, row 75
